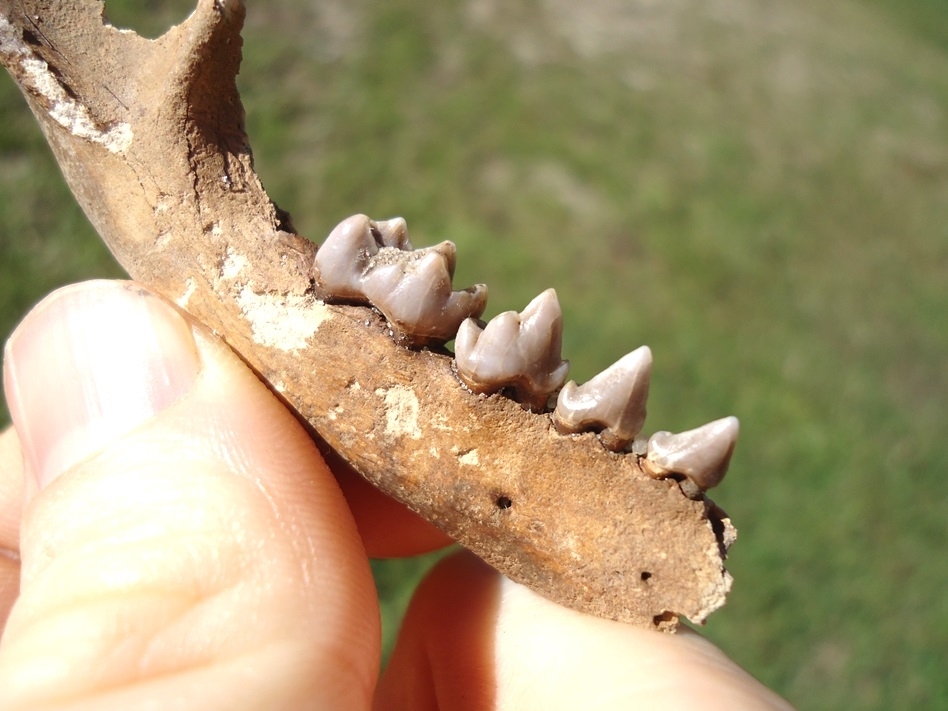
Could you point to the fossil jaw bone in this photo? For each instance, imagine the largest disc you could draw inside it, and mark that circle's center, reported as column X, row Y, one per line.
column 612, row 403
column 520, row 352
column 373, row 262
column 702, row 454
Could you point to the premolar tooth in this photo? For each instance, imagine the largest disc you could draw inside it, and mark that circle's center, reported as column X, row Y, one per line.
column 701, row 454
column 516, row 351
column 416, row 297
column 612, row 403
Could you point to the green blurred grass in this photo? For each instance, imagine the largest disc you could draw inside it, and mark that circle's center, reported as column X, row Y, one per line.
column 758, row 191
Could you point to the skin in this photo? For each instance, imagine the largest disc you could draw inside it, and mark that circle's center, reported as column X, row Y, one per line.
column 170, row 537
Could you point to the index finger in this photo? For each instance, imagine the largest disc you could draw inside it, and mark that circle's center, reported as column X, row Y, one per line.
column 389, row 529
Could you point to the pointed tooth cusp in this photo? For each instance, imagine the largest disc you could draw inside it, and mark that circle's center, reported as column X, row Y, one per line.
column 414, row 294
column 342, row 258
column 702, row 454
column 450, row 252
column 516, row 351
column 373, row 261
column 393, row 233
column 612, row 403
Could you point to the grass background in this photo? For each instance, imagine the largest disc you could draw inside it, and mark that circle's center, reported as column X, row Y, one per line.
column 757, row 190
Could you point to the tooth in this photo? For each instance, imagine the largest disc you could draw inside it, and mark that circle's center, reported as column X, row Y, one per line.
column 413, row 291
column 516, row 351
column 701, row 454
column 612, row 403
column 373, row 261
column 393, row 233
column 343, row 257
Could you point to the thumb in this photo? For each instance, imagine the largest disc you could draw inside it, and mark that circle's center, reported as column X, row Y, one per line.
column 182, row 540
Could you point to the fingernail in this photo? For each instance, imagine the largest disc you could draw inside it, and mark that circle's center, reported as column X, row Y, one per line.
column 90, row 363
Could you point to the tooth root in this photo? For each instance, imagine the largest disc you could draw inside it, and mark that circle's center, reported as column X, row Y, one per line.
column 612, row 403
column 342, row 258
column 416, row 298
column 702, row 454
column 516, row 351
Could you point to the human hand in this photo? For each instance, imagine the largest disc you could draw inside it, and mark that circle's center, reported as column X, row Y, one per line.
column 174, row 539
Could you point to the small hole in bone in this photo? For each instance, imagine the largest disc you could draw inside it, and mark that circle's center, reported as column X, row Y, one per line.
column 504, row 503
column 665, row 617
column 646, row 575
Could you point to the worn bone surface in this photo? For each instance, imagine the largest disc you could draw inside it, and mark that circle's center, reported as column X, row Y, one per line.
column 612, row 403
column 516, row 351
column 150, row 137
column 702, row 454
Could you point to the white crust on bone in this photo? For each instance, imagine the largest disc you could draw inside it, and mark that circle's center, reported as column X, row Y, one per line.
column 612, row 403
column 516, row 351
column 701, row 454
column 366, row 261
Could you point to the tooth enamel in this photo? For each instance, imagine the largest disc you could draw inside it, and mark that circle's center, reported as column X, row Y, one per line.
column 342, row 258
column 373, row 261
column 450, row 252
column 701, row 454
column 639, row 446
column 612, row 403
column 517, row 351
column 394, row 233
column 416, row 298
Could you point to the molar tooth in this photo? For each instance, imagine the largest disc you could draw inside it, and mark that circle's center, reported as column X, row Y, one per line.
column 373, row 261
column 517, row 351
column 613, row 402
column 415, row 295
column 701, row 454
column 343, row 257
